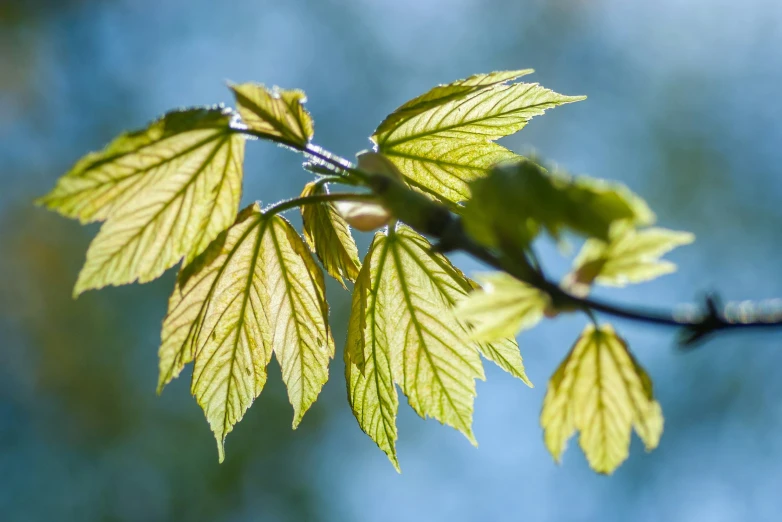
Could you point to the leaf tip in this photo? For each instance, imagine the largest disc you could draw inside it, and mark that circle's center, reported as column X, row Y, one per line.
column 470, row 436
column 298, row 415
column 394, row 461
column 41, row 201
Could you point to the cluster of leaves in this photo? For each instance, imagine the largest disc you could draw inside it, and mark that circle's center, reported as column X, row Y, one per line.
column 249, row 286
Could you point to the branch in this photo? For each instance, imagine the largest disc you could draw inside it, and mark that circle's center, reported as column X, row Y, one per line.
column 436, row 220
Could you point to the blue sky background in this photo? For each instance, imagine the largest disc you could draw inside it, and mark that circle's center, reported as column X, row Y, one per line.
column 683, row 106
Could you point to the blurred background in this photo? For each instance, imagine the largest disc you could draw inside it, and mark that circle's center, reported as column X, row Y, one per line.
column 684, row 107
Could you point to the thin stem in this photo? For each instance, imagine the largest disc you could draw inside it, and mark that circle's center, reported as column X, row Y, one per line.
column 269, row 137
column 328, row 179
column 289, row 204
column 340, row 164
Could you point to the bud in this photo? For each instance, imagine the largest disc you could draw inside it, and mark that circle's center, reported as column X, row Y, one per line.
column 363, row 216
column 375, row 163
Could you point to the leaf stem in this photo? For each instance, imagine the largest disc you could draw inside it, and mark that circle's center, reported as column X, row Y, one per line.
column 289, row 204
column 339, row 163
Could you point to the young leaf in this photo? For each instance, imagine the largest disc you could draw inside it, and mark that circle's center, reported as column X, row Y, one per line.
column 443, row 139
column 371, row 390
column 502, row 307
column 408, row 319
column 276, row 114
column 255, row 291
column 601, row 391
column 515, row 201
column 447, row 92
column 629, row 256
column 402, row 330
column 102, row 181
column 328, row 235
column 167, row 192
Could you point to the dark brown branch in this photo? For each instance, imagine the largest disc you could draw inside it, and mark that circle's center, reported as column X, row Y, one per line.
column 435, row 220
column 712, row 318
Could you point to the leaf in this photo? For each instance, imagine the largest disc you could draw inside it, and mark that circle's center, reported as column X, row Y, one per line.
column 402, row 330
column 166, row 192
column 516, row 201
column 442, row 139
column 601, row 391
column 371, row 390
column 443, row 168
column 255, row 291
column 447, row 92
column 505, row 354
column 629, row 256
column 275, row 114
column 328, row 235
column 408, row 320
column 502, row 307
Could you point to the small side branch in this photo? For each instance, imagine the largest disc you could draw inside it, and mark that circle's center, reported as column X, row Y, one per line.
column 712, row 317
column 437, row 221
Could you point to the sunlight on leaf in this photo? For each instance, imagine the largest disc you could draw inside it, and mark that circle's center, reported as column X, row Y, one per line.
column 629, row 256
column 445, row 93
column 371, row 390
column 254, row 292
column 276, row 114
column 502, row 307
column 516, row 201
column 166, row 193
column 402, row 330
column 601, row 391
column 328, row 235
column 444, row 138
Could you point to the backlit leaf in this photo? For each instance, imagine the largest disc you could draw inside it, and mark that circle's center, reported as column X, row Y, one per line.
column 516, row 201
column 629, row 256
column 328, row 235
column 447, row 92
column 274, row 113
column 502, row 307
column 166, row 193
column 254, row 292
column 409, row 320
column 601, row 391
column 402, row 330
column 371, row 389
column 442, row 139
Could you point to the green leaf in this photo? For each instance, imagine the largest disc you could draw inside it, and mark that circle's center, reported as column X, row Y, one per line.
column 371, row 390
column 276, row 114
column 408, row 319
column 442, row 140
column 505, row 354
column 447, row 92
column 502, row 307
column 629, row 256
column 255, row 291
column 328, row 235
column 402, row 330
column 166, row 193
column 601, row 391
column 516, row 201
